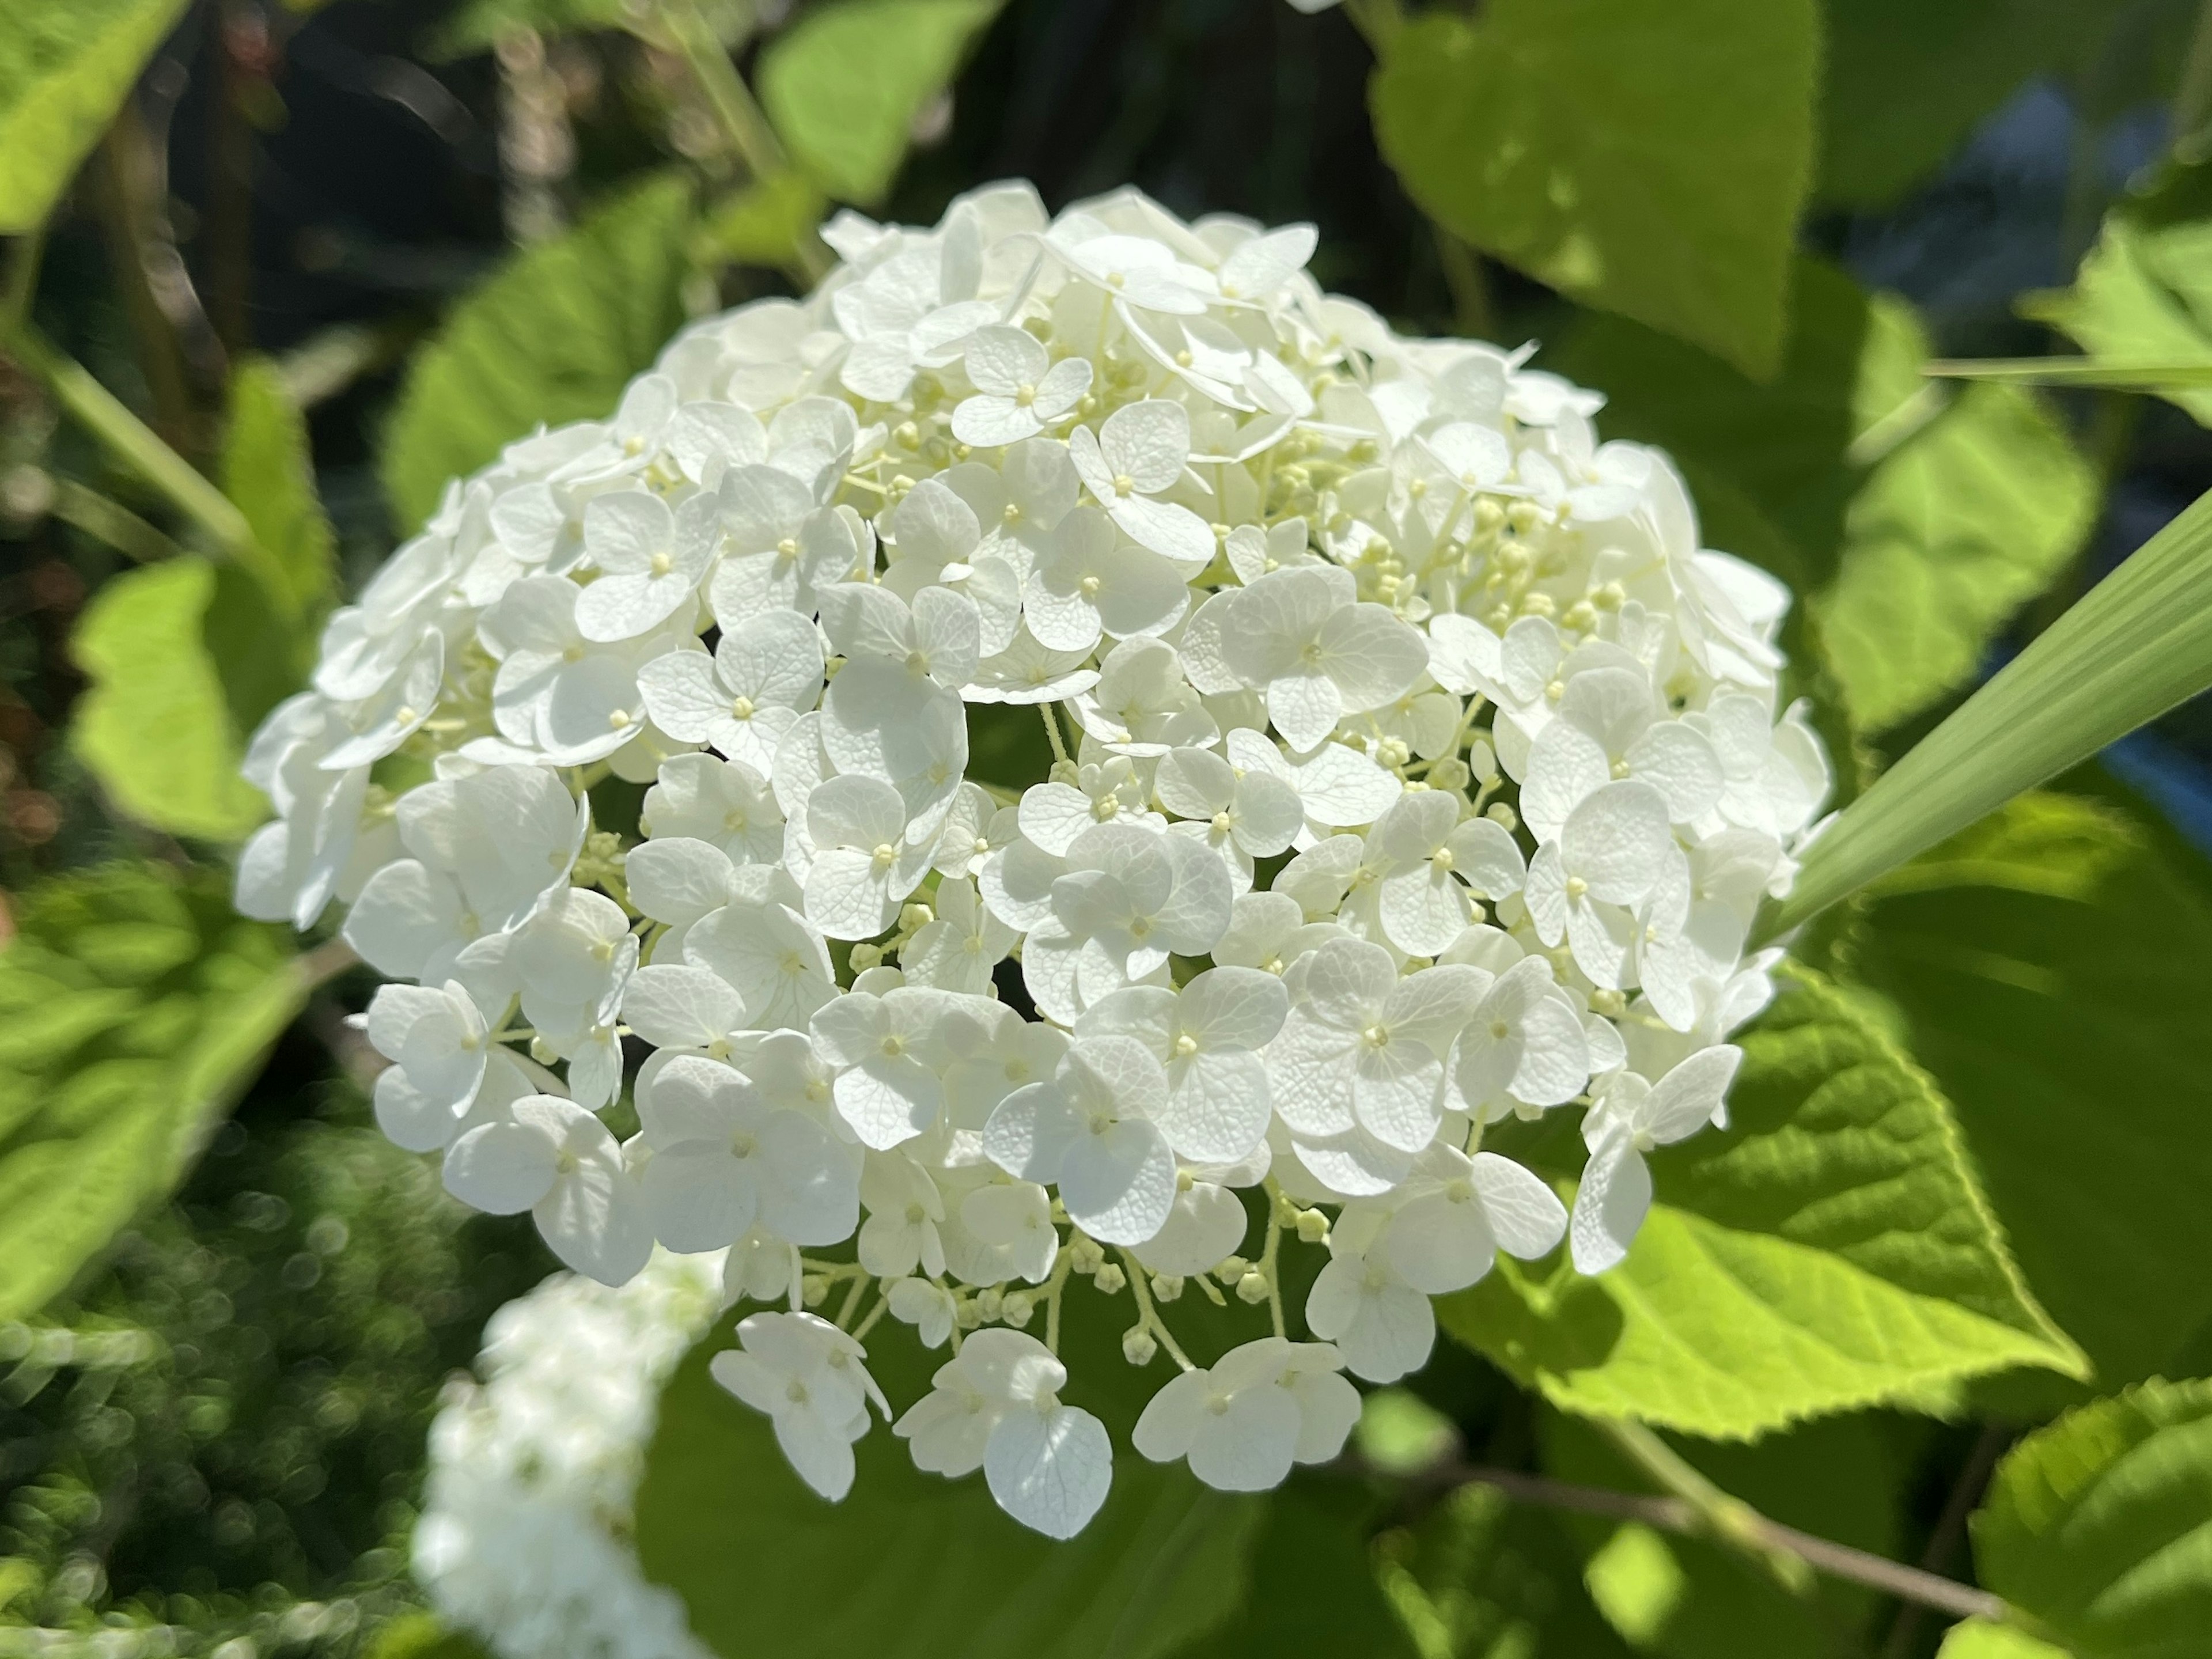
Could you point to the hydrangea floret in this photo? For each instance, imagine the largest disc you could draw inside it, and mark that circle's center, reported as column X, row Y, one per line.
column 1416, row 768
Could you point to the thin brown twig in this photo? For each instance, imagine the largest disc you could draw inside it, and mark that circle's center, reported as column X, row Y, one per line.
column 1950, row 1531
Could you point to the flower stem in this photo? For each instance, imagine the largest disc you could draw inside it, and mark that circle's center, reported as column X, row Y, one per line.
column 1052, row 731
column 1148, row 1318
column 1270, row 1254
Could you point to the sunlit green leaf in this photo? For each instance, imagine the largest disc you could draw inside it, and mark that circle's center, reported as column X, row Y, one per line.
column 911, row 1565
column 268, row 471
column 1977, row 1638
column 65, row 70
column 845, row 82
column 1647, row 159
column 154, row 726
column 2143, row 294
column 762, row 223
column 554, row 336
column 2099, row 1526
column 2054, row 962
column 137, row 1006
column 1830, row 1249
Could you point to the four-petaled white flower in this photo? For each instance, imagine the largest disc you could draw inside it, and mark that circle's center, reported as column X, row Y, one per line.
column 764, row 674
column 1302, row 637
column 1244, row 1420
column 811, row 1381
column 1630, row 1117
column 1020, row 390
column 1137, row 456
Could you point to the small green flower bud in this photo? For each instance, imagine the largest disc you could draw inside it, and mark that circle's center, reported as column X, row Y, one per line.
column 1138, row 1347
column 1111, row 1280
column 1252, row 1288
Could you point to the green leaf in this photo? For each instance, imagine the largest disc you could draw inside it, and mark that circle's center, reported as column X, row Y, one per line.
column 1830, row 1249
column 421, row 1636
column 65, row 70
column 1478, row 1576
column 1914, row 527
column 762, row 223
column 2097, row 1526
column 476, row 25
column 911, row 1565
column 149, row 1004
column 1952, row 533
column 268, row 469
column 1314, row 1587
column 1647, row 159
column 1844, row 1479
column 2136, row 645
column 2055, row 963
column 2143, row 293
column 554, row 336
column 1904, row 83
column 155, row 727
column 844, row 84
column 1977, row 1638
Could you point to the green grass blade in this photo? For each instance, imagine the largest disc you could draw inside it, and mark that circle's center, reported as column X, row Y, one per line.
column 2137, row 644
column 2114, row 374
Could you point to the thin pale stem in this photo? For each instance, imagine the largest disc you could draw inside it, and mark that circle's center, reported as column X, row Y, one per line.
column 2192, row 98
column 132, row 443
column 741, row 120
column 859, row 1288
column 1725, row 1518
column 1681, row 1516
column 1052, row 731
column 112, row 522
column 1270, row 1254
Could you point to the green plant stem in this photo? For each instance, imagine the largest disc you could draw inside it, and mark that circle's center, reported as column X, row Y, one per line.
column 1683, row 1516
column 110, row 522
column 119, row 175
column 1052, row 732
column 22, row 285
column 1725, row 1519
column 741, row 120
column 1148, row 1317
column 1472, row 314
column 130, row 441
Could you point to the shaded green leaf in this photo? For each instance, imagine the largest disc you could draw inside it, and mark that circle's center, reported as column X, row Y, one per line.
column 1650, row 161
column 152, row 1004
column 945, row 1571
column 1915, row 527
column 2109, row 373
column 1480, row 1578
column 1830, row 1249
column 2143, row 293
column 1314, row 1587
column 1904, row 83
column 2099, row 1525
column 844, row 84
column 1977, row 1638
column 554, row 336
column 65, row 70
column 2054, row 962
column 155, row 727
column 421, row 1636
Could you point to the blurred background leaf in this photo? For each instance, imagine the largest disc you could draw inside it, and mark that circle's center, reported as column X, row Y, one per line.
column 65, row 70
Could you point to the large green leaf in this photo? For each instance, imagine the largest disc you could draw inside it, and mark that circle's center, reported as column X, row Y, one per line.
column 2100, row 1525
column 65, row 70
column 1904, row 82
column 2055, row 963
column 1977, row 1638
column 134, row 1006
column 1650, row 160
column 844, row 84
column 155, row 725
column 911, row 1565
column 1314, row 1586
column 2144, row 293
column 477, row 25
column 1915, row 528
column 1843, row 1478
column 1830, row 1249
column 553, row 338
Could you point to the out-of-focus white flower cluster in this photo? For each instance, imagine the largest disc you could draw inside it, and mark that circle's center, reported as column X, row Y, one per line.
column 1417, row 769
column 525, row 1534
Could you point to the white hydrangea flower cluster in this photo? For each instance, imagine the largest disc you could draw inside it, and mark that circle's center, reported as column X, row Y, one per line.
column 524, row 1540
column 1417, row 769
